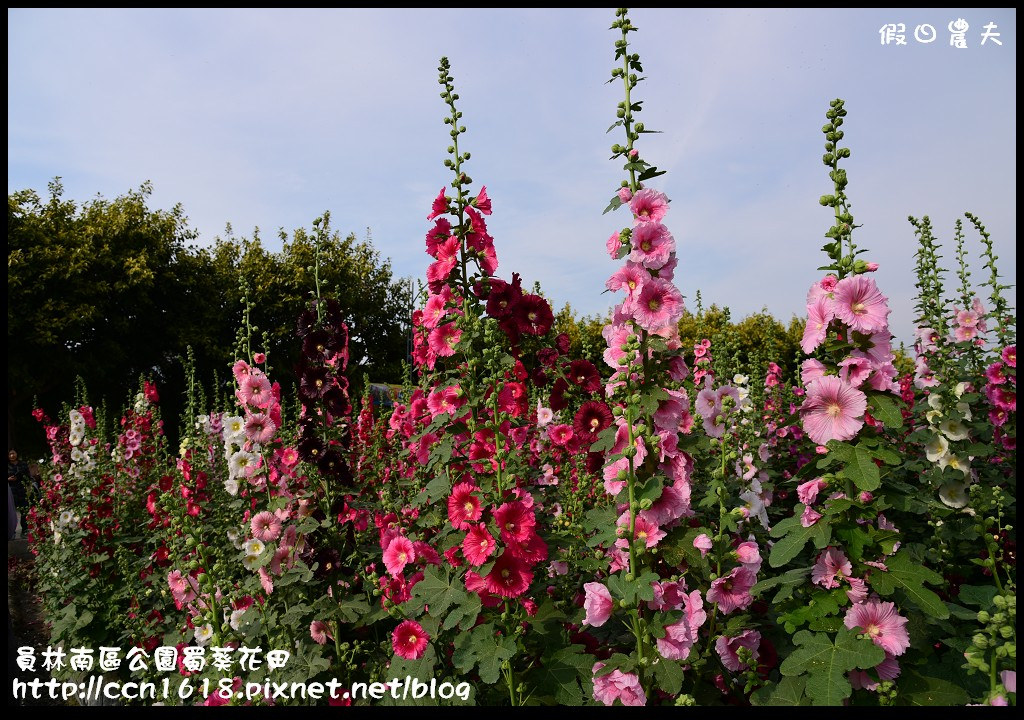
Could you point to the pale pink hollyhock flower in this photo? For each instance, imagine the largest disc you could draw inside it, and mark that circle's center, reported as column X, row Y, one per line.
column 682, row 635
column 558, row 567
column 544, row 415
column 319, row 631
column 727, row 648
column 808, row 491
column 409, row 640
column 660, row 304
column 966, row 318
column 630, row 278
column 617, row 685
column 625, row 194
column 854, row 370
column 858, row 591
column 260, row 428
column 831, row 566
column 598, row 604
column 825, row 286
column 963, row 333
column 809, row 517
column 399, row 553
column 266, row 581
column 703, row 543
column 881, row 622
column 732, row 591
column 709, row 404
column 811, row 370
column 443, row 339
column 619, row 556
column 871, row 266
column 649, row 206
column 653, row 245
column 861, row 305
column 819, row 315
column 998, row 701
column 1009, row 680
column 749, row 555
column 265, row 526
column 832, row 410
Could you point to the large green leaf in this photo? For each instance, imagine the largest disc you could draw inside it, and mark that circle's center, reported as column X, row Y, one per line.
column 794, row 536
column 483, row 649
column 884, row 408
column 910, row 576
column 437, row 592
column 559, row 676
column 789, row 691
column 826, row 663
column 917, row 689
column 861, row 469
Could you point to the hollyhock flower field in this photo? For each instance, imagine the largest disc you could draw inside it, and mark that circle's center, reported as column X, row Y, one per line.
column 664, row 529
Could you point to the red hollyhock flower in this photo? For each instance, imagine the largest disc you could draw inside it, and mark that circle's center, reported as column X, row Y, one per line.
column 510, row 577
column 464, row 506
column 515, row 521
column 478, row 545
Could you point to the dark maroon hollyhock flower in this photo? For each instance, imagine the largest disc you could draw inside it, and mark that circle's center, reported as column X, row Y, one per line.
column 595, row 461
column 314, row 383
column 502, row 299
column 336, row 401
column 311, row 448
column 319, row 345
column 547, row 356
column 510, row 327
column 562, row 343
column 538, row 377
column 533, row 313
column 558, row 401
column 333, row 466
column 592, row 417
column 583, row 374
column 306, row 323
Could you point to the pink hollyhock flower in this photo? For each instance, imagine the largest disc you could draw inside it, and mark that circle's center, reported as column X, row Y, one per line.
column 888, row 669
column 649, row 206
column 320, row 632
column 880, row 621
column 703, row 543
column 1009, row 355
column 653, row 245
column 860, row 304
column 994, row 374
column 673, row 504
column 831, row 567
column 478, row 545
column 858, row 591
column 444, row 338
column 680, row 636
column 266, row 581
column 435, row 310
column 732, row 591
column 826, row 286
column 441, row 231
column 1009, row 680
column 727, row 647
column 614, row 245
column 254, row 389
column 560, row 434
column 612, row 484
column 966, row 318
column 509, row 577
column 819, row 315
column 668, row 595
column 963, row 333
column 625, row 194
column 808, row 491
column 400, row 552
column 617, row 685
column 749, row 556
column 854, row 370
column 832, row 410
column 515, row 521
column 809, row 517
column 265, row 526
column 544, row 415
column 646, row 531
column 598, row 604
column 630, row 278
column 463, row 506
column 811, row 370
column 259, row 428
column 439, row 206
column 409, row 640
column 708, row 404
column 660, row 304
column 483, row 202
column 445, row 400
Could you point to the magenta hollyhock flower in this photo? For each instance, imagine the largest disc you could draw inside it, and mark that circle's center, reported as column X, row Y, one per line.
column 1003, row 397
column 435, row 310
column 860, row 304
column 1009, row 355
column 808, row 491
column 444, row 338
column 617, row 685
column 438, row 272
column 560, row 434
column 831, row 566
column 319, row 631
column 509, row 577
column 409, row 640
column 439, row 206
column 732, row 592
column 478, row 545
column 598, row 604
column 832, row 410
column 819, row 315
column 703, row 543
column 399, row 553
column 881, row 622
column 515, row 521
column 259, row 428
column 483, row 202
column 463, row 506
column 727, row 648
column 809, row 516
column 441, row 231
column 648, row 206
column 653, row 245
column 994, row 374
column 445, row 400
column 660, row 304
column 265, row 526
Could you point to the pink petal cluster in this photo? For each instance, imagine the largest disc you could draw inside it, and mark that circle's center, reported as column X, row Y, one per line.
column 617, row 685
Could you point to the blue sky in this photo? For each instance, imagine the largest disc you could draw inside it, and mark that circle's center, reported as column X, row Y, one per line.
column 266, row 118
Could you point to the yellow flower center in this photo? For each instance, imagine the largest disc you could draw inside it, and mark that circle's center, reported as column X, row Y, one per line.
column 834, row 410
column 859, row 308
